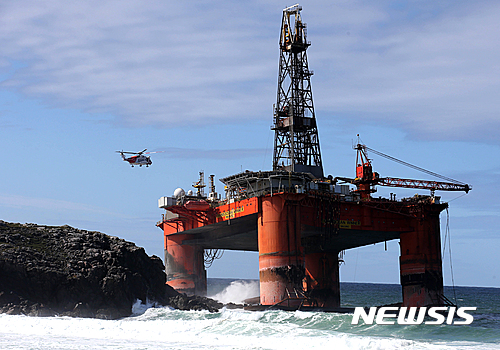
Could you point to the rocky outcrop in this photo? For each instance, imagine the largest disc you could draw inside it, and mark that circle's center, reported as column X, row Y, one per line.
column 195, row 302
column 66, row 271
column 48, row 270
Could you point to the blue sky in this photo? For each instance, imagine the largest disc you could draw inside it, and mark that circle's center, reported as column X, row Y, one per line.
column 418, row 80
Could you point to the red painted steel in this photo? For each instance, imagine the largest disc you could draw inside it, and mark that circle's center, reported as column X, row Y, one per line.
column 287, row 271
column 322, row 282
column 184, row 264
column 281, row 263
column 420, row 260
column 237, row 209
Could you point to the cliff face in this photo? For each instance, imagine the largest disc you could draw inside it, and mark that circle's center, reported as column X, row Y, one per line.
column 63, row 270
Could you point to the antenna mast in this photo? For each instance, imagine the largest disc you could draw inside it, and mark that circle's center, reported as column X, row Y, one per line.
column 296, row 141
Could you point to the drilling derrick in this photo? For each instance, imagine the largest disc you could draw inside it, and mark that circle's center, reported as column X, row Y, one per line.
column 296, row 141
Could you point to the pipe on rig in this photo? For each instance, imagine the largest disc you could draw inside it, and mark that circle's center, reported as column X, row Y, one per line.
column 322, row 280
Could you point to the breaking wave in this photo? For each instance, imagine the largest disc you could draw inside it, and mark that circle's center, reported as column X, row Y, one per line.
column 164, row 328
column 237, row 291
column 154, row 328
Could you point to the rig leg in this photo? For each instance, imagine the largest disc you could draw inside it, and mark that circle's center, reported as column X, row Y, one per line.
column 322, row 279
column 281, row 263
column 420, row 260
column 184, row 264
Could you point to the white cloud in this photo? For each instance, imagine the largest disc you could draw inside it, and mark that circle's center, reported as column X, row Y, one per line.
column 152, row 63
column 428, row 68
column 439, row 78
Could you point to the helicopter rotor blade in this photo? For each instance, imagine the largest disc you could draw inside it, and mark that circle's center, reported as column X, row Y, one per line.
column 122, row 152
column 138, row 153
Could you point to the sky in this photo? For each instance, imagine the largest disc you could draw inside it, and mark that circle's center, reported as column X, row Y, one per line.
column 418, row 80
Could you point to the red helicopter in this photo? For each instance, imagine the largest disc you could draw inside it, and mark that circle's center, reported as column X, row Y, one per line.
column 139, row 158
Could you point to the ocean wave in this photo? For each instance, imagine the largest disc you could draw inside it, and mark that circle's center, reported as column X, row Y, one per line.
column 165, row 328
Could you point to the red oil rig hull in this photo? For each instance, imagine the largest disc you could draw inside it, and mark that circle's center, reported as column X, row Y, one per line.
column 299, row 237
column 298, row 220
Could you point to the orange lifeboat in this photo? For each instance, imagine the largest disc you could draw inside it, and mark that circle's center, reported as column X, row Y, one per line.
column 197, row 205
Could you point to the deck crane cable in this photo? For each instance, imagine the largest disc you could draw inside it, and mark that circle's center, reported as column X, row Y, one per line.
column 451, row 200
column 448, row 236
column 413, row 166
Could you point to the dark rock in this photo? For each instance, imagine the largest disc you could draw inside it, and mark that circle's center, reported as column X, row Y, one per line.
column 62, row 270
column 46, row 271
column 234, row 306
column 184, row 302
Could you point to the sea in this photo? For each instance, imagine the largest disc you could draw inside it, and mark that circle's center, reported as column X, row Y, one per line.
column 153, row 327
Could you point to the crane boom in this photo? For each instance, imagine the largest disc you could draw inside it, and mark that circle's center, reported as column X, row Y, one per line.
column 423, row 184
column 366, row 178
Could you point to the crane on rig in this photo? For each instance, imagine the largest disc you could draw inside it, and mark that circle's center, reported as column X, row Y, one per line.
column 366, row 178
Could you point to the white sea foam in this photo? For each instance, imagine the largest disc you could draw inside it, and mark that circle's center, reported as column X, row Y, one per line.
column 237, row 292
column 140, row 307
column 164, row 328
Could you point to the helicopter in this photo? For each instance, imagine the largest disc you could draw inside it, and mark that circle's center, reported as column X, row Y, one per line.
column 139, row 158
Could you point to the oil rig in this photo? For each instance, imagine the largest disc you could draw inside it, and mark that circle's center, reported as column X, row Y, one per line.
column 298, row 220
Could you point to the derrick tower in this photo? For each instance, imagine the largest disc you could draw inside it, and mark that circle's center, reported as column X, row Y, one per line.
column 296, row 141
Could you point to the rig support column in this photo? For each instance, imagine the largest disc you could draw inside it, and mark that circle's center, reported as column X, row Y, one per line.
column 322, row 278
column 281, row 262
column 184, row 264
column 420, row 260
